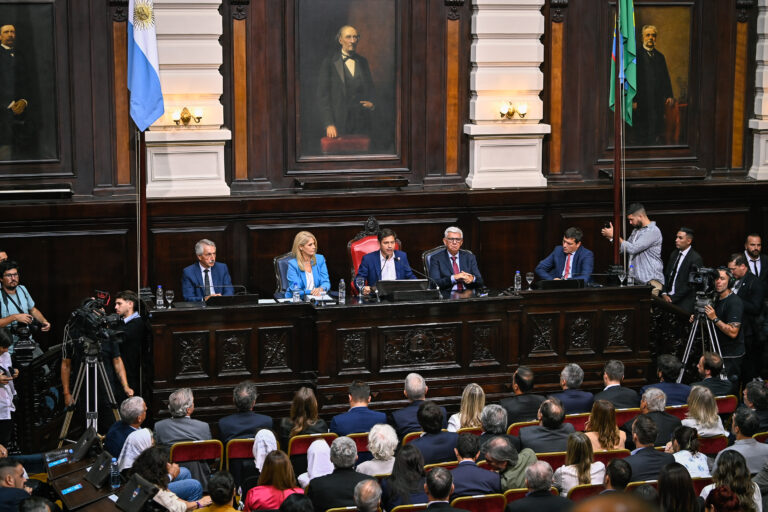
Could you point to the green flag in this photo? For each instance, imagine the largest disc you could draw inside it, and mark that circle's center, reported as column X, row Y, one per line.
column 624, row 50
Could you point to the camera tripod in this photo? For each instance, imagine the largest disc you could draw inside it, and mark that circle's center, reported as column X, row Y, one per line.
column 708, row 339
column 91, row 369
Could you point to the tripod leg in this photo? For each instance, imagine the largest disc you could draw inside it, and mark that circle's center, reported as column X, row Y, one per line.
column 71, row 408
column 108, row 387
column 688, row 347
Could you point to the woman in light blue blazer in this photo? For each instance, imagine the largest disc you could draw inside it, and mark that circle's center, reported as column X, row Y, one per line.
column 307, row 271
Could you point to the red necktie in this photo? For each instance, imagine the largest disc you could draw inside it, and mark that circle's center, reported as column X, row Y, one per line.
column 459, row 284
column 567, row 266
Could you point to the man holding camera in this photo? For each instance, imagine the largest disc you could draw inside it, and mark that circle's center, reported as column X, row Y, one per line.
column 17, row 305
column 726, row 316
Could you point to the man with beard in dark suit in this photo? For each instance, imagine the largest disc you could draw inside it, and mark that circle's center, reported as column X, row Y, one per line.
column 646, row 461
column 621, row 397
column 751, row 291
column 710, row 367
column 523, row 405
column 654, row 92
column 757, row 262
column 681, row 260
column 135, row 348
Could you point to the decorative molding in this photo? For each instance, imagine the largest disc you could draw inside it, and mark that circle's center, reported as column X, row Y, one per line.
column 580, row 335
column 556, row 9
column 354, row 351
column 542, row 334
column 273, row 343
column 191, row 348
column 617, row 323
column 119, row 10
column 742, row 9
column 453, row 8
column 420, row 346
column 232, row 352
column 239, row 9
column 485, row 336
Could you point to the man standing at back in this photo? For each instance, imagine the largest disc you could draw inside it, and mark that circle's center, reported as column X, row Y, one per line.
column 359, row 418
column 679, row 265
column 206, row 277
column 454, row 269
column 405, row 420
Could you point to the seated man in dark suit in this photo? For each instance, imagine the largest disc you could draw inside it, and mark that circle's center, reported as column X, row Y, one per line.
column 652, row 404
column 435, row 445
column 338, row 488
column 569, row 260
column 206, row 277
column 538, row 480
column 523, row 405
column 618, row 473
column 710, row 369
column 454, row 269
column 439, row 487
column 621, row 397
column 244, row 423
column 133, row 412
column 756, row 398
column 404, row 420
column 645, row 461
column 359, row 418
column 573, row 399
column 469, row 479
column 551, row 434
column 384, row 264
column 668, row 369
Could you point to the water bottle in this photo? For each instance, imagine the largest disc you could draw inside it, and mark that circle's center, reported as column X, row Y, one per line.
column 518, row 281
column 631, row 276
column 342, row 292
column 114, row 475
column 159, row 301
column 295, row 294
column 58, row 455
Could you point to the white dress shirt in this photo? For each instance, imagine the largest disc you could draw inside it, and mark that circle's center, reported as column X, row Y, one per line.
column 210, row 291
column 683, row 254
column 388, row 268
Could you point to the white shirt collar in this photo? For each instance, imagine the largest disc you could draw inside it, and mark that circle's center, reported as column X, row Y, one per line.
column 129, row 318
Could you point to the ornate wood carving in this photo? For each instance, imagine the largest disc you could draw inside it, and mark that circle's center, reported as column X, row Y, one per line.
column 617, row 323
column 420, row 346
column 742, row 9
column 119, row 10
column 542, row 335
column 191, row 348
column 354, row 351
column 453, row 8
column 273, row 344
column 556, row 9
column 484, row 338
column 580, row 334
column 669, row 333
column 240, row 8
column 232, row 352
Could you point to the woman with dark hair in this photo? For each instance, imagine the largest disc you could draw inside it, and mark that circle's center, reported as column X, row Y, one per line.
column 579, row 468
column 153, row 465
column 405, row 486
column 304, row 418
column 276, row 482
column 722, row 499
column 676, row 492
column 601, row 427
column 221, row 487
column 731, row 471
column 685, row 447
column 297, row 503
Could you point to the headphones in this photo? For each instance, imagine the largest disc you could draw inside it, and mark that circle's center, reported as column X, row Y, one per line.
column 731, row 279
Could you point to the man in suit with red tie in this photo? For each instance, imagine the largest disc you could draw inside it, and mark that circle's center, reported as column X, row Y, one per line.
column 682, row 259
column 454, row 269
column 568, row 261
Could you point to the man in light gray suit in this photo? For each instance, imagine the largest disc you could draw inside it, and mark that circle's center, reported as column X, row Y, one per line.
column 745, row 425
column 180, row 427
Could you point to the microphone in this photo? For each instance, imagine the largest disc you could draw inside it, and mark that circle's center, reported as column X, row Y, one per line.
column 423, row 275
column 386, row 258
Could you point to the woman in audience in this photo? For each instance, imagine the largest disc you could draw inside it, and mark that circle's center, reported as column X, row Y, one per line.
column 221, row 487
column 304, row 419
column 722, row 499
column 676, row 492
column 648, row 494
column 307, row 271
column 685, row 447
column 406, row 484
column 276, row 482
column 382, row 443
column 601, row 427
column 153, row 465
column 318, row 462
column 702, row 413
column 472, row 403
column 297, row 503
column 731, row 471
column 580, row 467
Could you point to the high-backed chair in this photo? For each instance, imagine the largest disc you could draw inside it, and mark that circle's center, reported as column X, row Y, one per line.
column 624, row 415
column 555, row 459
column 281, row 273
column 761, row 437
column 410, row 508
column 411, row 436
column 605, row 456
column 712, row 445
column 726, row 404
column 478, row 431
column 210, row 451
column 426, row 256
column 579, row 421
column 238, row 459
column 700, row 483
column 514, row 429
column 481, row 503
column 583, row 491
column 679, row 411
column 364, row 242
column 298, row 445
column 452, row 464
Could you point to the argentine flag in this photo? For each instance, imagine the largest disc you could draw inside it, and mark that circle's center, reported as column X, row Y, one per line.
column 143, row 70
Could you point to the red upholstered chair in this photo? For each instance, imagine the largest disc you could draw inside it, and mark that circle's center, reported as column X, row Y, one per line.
column 210, row 451
column 410, row 437
column 624, row 415
column 341, row 509
column 700, row 483
column 238, row 449
column 726, row 404
column 606, row 456
column 579, row 421
column 447, row 465
column 677, row 410
column 511, row 495
column 761, row 437
column 361, row 440
column 478, row 431
column 364, row 242
column 410, row 508
column 481, row 503
column 581, row 492
column 514, row 429
column 298, row 445
column 555, row 459
column 652, row 483
column 711, row 445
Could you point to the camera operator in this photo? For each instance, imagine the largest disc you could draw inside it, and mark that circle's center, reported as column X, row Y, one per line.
column 726, row 316
column 7, row 391
column 135, row 347
column 751, row 291
column 17, row 305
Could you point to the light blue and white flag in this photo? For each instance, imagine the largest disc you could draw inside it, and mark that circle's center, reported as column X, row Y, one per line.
column 143, row 70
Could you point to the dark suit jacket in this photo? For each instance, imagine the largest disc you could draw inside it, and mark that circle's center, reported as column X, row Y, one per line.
column 647, row 463
column 521, row 407
column 334, row 490
column 552, row 266
column 665, row 424
column 404, row 420
column 575, row 401
column 469, row 479
column 441, row 269
column 116, row 436
column 677, row 394
column 331, row 91
column 243, row 424
column 135, row 351
column 192, row 281
column 357, row 419
column 763, row 268
column 751, row 292
column 370, row 267
column 437, row 447
column 684, row 296
column 443, row 506
column 717, row 386
column 543, row 440
column 620, row 397
column 540, row 501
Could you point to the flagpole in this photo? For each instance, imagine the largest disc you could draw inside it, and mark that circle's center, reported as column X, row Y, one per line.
column 617, row 126
column 142, row 191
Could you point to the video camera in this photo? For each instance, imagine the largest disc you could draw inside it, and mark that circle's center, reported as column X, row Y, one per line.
column 89, row 325
column 702, row 281
column 24, row 331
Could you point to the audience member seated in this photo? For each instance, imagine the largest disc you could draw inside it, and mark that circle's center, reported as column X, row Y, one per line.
column 435, row 445
column 667, row 370
column 472, row 403
column 367, row 496
column 221, row 487
column 297, row 503
column 648, row 494
column 580, row 467
column 304, row 419
column 652, row 405
column 244, row 423
column 306, row 272
column 702, row 413
column 135, row 443
column 676, row 489
column 523, row 405
column 574, row 400
column 405, row 486
column 761, row 480
column 502, row 456
column 538, row 480
column 468, row 478
column 318, row 462
column 614, row 392
column 645, row 460
column 404, row 420
column 338, row 488
column 732, row 472
column 756, row 398
column 494, row 422
column 359, row 418
column 710, row 369
column 618, row 473
column 744, row 426
column 277, row 481
column 685, row 448
column 601, row 427
column 722, row 499
column 133, row 412
column 263, row 443
column 438, row 487
column 382, row 443
column 551, row 434
column 37, row 504
column 12, row 488
column 180, row 426
column 154, row 466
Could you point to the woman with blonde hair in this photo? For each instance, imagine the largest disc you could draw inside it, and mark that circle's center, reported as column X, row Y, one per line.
column 472, row 403
column 601, row 427
column 702, row 413
column 307, row 271
column 579, row 467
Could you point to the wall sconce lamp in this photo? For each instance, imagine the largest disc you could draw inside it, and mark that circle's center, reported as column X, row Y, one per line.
column 185, row 116
column 508, row 109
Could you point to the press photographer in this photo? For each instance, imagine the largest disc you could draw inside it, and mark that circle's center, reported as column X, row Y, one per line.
column 17, row 309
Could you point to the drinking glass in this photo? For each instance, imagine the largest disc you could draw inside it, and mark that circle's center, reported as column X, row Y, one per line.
column 622, row 277
column 169, row 296
column 529, row 279
column 360, row 284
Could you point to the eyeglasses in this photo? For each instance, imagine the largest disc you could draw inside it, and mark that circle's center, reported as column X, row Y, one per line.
column 453, row 240
column 15, row 274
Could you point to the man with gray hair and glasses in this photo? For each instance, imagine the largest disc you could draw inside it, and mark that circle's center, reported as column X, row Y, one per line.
column 652, row 404
column 454, row 269
column 206, row 277
column 574, row 400
column 405, row 420
column 538, row 480
column 180, row 426
column 133, row 412
column 338, row 488
column 244, row 423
